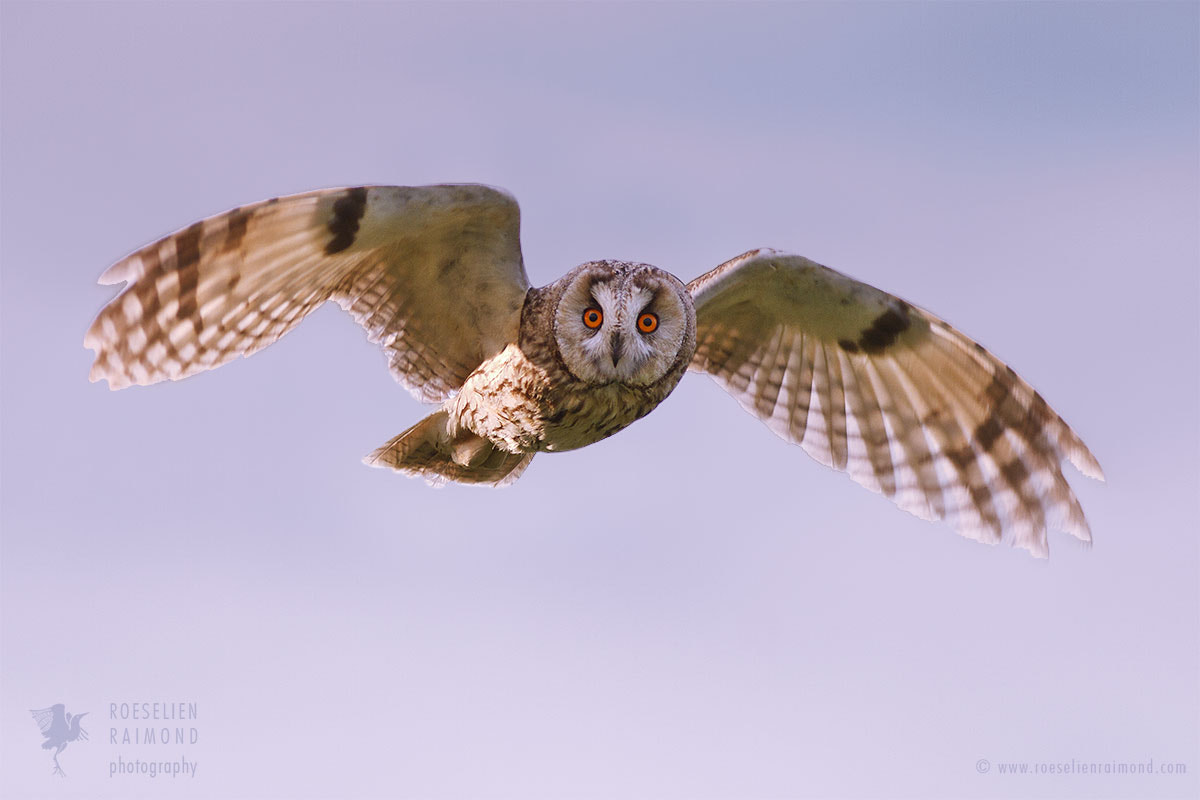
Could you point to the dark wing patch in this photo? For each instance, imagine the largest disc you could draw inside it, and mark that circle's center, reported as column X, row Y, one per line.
column 347, row 211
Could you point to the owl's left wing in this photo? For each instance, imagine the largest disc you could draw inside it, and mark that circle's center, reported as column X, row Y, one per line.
column 904, row 403
column 434, row 273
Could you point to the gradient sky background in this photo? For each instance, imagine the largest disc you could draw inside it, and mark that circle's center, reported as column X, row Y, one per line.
column 728, row 619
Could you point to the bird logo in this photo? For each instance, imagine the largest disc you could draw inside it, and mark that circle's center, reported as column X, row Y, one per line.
column 59, row 728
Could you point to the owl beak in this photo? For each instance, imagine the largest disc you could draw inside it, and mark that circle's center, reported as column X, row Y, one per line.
column 618, row 346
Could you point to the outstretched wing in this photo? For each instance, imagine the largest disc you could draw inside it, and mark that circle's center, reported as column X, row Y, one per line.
column 904, row 403
column 434, row 273
column 44, row 717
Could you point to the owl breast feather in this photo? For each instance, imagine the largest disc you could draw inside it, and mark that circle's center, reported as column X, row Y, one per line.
column 522, row 408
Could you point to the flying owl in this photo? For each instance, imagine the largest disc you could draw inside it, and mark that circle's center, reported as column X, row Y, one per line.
column 862, row 380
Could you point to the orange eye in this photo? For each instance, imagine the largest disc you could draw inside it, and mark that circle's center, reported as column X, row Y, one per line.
column 647, row 323
column 592, row 317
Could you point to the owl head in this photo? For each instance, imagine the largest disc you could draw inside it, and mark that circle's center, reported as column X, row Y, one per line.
column 623, row 322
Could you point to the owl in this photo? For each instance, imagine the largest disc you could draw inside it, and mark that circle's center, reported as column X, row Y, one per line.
column 865, row 382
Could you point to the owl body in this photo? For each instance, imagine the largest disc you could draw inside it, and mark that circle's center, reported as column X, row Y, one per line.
column 863, row 381
column 538, row 395
column 516, row 405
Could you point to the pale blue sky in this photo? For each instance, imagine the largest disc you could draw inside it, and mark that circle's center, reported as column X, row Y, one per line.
column 734, row 620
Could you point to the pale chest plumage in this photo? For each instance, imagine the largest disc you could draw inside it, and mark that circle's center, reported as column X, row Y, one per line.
column 521, row 408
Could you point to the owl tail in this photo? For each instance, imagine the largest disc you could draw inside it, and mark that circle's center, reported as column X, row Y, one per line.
column 430, row 451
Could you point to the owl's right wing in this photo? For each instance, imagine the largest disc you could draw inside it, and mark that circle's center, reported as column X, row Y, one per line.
column 434, row 274
column 900, row 400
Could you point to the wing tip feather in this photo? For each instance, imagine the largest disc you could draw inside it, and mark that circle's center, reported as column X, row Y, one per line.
column 1086, row 463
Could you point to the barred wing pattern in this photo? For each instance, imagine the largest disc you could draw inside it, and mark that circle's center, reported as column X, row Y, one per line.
column 44, row 717
column 904, row 403
column 433, row 273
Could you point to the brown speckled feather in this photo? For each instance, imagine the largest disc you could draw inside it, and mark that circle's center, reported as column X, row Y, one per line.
column 903, row 402
column 433, row 273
